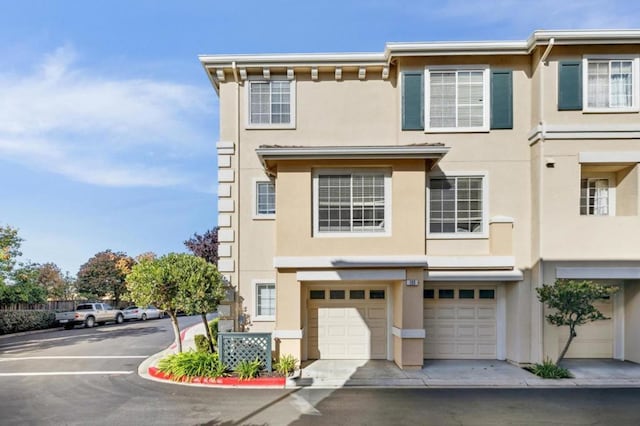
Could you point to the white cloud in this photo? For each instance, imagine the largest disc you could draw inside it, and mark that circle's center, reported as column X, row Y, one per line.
column 104, row 130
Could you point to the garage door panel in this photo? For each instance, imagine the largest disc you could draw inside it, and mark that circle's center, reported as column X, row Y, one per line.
column 466, row 331
column 348, row 329
column 445, row 312
column 460, row 328
column 486, row 313
column 595, row 339
column 466, row 313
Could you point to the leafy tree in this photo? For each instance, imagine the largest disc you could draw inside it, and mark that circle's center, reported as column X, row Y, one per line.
column 9, row 250
column 105, row 274
column 156, row 282
column 572, row 304
column 205, row 245
column 176, row 282
column 25, row 287
column 201, row 289
column 51, row 278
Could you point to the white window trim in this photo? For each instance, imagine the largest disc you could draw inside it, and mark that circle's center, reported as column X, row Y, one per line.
column 611, row 179
column 254, row 287
column 635, row 79
column 256, row 215
column 485, row 98
column 485, row 208
column 387, row 203
column 247, row 101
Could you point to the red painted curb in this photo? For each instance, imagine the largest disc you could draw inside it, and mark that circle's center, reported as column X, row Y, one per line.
column 224, row 381
column 182, row 334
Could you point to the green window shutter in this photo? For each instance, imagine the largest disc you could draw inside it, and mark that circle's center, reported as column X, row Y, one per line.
column 501, row 99
column 570, row 86
column 412, row 101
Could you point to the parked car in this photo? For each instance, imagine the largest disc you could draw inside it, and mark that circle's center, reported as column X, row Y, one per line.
column 138, row 313
column 89, row 314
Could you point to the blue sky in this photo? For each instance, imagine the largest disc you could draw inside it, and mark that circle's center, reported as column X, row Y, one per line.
column 108, row 123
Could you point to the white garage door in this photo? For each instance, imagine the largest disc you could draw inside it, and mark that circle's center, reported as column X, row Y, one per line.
column 347, row 323
column 595, row 339
column 460, row 322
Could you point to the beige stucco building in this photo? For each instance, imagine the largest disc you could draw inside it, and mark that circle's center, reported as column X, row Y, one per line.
column 405, row 205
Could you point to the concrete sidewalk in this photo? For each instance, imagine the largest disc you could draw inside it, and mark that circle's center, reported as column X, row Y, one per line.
column 329, row 374
column 461, row 374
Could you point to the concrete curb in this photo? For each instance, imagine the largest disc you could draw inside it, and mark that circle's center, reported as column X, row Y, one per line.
column 27, row 333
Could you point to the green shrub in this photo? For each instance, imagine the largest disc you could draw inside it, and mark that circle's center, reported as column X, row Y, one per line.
column 286, row 365
column 549, row 370
column 202, row 344
column 187, row 365
column 17, row 321
column 248, row 369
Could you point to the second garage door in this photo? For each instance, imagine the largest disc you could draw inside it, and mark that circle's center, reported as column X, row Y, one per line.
column 460, row 322
column 347, row 324
column 595, row 339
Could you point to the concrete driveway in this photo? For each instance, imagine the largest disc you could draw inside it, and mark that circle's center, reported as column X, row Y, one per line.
column 461, row 373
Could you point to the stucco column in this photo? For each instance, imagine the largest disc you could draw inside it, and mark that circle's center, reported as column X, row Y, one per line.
column 408, row 322
column 288, row 331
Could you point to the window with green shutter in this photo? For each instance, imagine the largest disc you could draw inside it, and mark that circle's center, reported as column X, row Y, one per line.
column 501, row 99
column 412, row 101
column 570, row 86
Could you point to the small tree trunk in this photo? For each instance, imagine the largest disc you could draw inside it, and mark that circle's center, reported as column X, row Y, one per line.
column 207, row 330
column 572, row 334
column 176, row 329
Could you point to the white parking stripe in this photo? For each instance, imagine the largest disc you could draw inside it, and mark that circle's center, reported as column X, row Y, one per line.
column 75, row 357
column 64, row 373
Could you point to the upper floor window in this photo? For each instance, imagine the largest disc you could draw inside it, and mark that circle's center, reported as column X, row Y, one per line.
column 356, row 202
column 271, row 103
column 265, row 199
column 458, row 99
column 457, row 205
column 610, row 84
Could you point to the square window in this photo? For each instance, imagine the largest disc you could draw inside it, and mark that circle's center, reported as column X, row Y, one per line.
column 376, row 294
column 356, row 294
column 428, row 293
column 265, row 299
column 466, row 293
column 350, row 203
column 456, row 205
column 316, row 294
column 265, row 199
column 336, row 294
column 608, row 83
column 445, row 294
column 458, row 99
column 487, row 294
column 270, row 103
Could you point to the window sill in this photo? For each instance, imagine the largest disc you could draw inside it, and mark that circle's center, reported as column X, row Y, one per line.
column 350, row 234
column 610, row 110
column 458, row 236
column 263, row 319
column 264, row 217
column 270, row 127
column 484, row 129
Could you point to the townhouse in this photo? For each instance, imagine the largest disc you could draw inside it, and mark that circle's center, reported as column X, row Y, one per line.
column 404, row 205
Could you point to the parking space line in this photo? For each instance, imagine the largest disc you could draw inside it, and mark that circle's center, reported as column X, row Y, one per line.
column 65, row 373
column 29, row 358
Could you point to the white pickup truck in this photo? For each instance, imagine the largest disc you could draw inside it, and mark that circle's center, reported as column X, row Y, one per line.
column 88, row 314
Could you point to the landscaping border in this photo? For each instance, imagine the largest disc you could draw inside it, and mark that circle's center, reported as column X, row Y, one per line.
column 272, row 382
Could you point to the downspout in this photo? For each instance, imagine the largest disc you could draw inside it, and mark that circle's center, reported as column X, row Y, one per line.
column 542, row 126
column 234, row 67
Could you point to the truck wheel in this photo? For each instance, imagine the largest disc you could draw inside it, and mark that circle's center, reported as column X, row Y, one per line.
column 89, row 322
column 68, row 326
column 144, row 317
column 119, row 319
